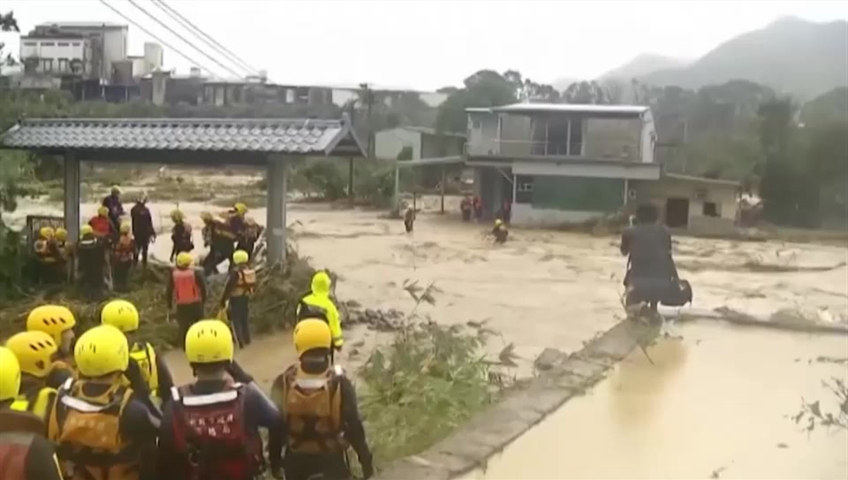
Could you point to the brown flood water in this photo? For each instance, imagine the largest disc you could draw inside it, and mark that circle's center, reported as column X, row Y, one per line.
column 716, row 401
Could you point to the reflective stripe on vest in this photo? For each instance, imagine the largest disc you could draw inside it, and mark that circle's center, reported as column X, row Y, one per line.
column 186, row 290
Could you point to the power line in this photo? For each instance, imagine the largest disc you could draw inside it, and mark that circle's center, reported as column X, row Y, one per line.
column 205, row 37
column 163, row 42
column 237, row 74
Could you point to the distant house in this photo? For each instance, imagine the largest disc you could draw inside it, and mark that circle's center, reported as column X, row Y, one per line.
column 423, row 142
column 563, row 163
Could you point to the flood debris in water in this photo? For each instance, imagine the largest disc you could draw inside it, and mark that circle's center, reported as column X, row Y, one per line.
column 813, row 415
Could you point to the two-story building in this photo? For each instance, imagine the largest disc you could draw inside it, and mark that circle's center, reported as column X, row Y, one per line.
column 56, row 53
column 565, row 163
column 104, row 44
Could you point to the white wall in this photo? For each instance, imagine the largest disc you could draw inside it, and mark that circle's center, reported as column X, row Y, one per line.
column 525, row 215
column 697, row 192
column 389, row 143
column 588, row 169
column 54, row 49
column 153, row 55
column 114, row 48
column 649, row 137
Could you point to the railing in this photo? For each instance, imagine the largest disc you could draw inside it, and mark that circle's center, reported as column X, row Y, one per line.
column 604, row 150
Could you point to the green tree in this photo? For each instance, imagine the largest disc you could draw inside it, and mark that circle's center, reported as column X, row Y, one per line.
column 8, row 23
column 485, row 88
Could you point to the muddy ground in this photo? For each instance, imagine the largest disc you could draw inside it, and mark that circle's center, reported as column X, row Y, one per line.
column 542, row 289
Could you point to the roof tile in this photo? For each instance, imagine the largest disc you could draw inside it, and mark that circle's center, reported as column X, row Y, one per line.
column 253, row 135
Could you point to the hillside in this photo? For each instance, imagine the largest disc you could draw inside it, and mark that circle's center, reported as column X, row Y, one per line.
column 794, row 56
column 830, row 107
column 643, row 65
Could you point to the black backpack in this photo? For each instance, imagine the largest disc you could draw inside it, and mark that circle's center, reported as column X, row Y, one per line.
column 678, row 295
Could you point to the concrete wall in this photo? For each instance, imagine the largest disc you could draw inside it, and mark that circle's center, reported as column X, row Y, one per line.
column 588, row 169
column 389, row 143
column 698, row 193
column 482, row 134
column 525, row 215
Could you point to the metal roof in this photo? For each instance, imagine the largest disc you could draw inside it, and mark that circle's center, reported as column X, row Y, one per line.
column 83, row 24
column 705, row 180
column 265, row 135
column 431, row 131
column 634, row 110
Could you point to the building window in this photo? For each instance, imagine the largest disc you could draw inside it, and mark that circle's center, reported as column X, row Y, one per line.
column 47, row 44
column 523, row 189
column 476, row 124
column 47, row 64
column 63, row 44
column 64, row 64
column 710, row 209
column 76, row 44
column 30, row 44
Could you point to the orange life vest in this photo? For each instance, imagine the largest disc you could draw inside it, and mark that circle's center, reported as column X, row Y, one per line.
column 102, row 226
column 313, row 411
column 186, row 290
column 125, row 248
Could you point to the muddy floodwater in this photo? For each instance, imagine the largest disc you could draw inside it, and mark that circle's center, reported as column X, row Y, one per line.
column 713, row 405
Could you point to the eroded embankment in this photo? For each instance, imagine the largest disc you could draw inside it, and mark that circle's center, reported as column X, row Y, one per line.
column 492, row 430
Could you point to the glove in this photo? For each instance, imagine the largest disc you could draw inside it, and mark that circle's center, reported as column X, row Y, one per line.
column 367, row 467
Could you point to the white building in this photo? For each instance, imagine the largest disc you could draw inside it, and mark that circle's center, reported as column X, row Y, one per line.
column 107, row 43
column 56, row 54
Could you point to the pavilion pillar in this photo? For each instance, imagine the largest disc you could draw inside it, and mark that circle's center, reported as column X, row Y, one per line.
column 276, row 212
column 72, row 195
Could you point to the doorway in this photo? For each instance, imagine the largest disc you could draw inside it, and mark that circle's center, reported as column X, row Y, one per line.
column 677, row 212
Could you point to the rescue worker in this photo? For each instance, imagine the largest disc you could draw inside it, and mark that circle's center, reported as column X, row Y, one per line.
column 211, row 239
column 180, row 235
column 186, row 288
column 102, row 225
column 101, row 431
column 225, row 237
column 477, row 207
column 25, row 453
column 47, row 257
column 650, row 266
column 318, row 304
column 465, row 208
column 237, row 220
column 60, row 239
column 114, row 206
column 247, row 241
column 319, row 407
column 58, row 322
column 91, row 263
column 142, row 227
column 154, row 372
column 241, row 284
column 122, row 259
column 506, row 211
column 210, row 428
column 500, row 231
column 34, row 351
column 409, row 219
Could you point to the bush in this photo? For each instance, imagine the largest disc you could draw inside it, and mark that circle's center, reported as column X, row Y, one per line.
column 430, row 379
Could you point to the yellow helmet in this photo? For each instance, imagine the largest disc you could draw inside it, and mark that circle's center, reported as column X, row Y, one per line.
column 120, row 314
column 103, row 211
column 61, row 234
column 240, row 208
column 209, row 341
column 184, row 259
column 125, row 227
column 498, row 222
column 240, row 257
column 206, row 216
column 115, row 189
column 311, row 333
column 86, row 230
column 46, row 232
column 177, row 214
column 34, row 351
column 52, row 320
column 101, row 350
column 10, row 375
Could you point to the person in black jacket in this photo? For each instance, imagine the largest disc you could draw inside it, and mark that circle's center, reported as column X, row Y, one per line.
column 143, row 232
column 650, row 266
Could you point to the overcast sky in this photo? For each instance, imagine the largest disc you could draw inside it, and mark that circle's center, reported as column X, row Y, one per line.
column 430, row 44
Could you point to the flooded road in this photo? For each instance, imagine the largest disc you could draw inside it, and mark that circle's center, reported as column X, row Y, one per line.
column 714, row 405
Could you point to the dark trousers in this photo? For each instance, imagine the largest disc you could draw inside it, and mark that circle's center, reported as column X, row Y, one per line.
column 302, row 466
column 408, row 224
column 187, row 315
column 141, row 246
column 121, row 275
column 239, row 310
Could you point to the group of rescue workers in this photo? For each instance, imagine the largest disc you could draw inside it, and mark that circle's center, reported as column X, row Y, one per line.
column 109, row 247
column 104, row 406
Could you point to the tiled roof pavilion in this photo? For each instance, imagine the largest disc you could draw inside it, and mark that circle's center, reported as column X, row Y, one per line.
column 239, row 140
column 215, row 142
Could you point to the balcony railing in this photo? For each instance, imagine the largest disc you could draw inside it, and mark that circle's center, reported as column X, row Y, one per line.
column 517, row 148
